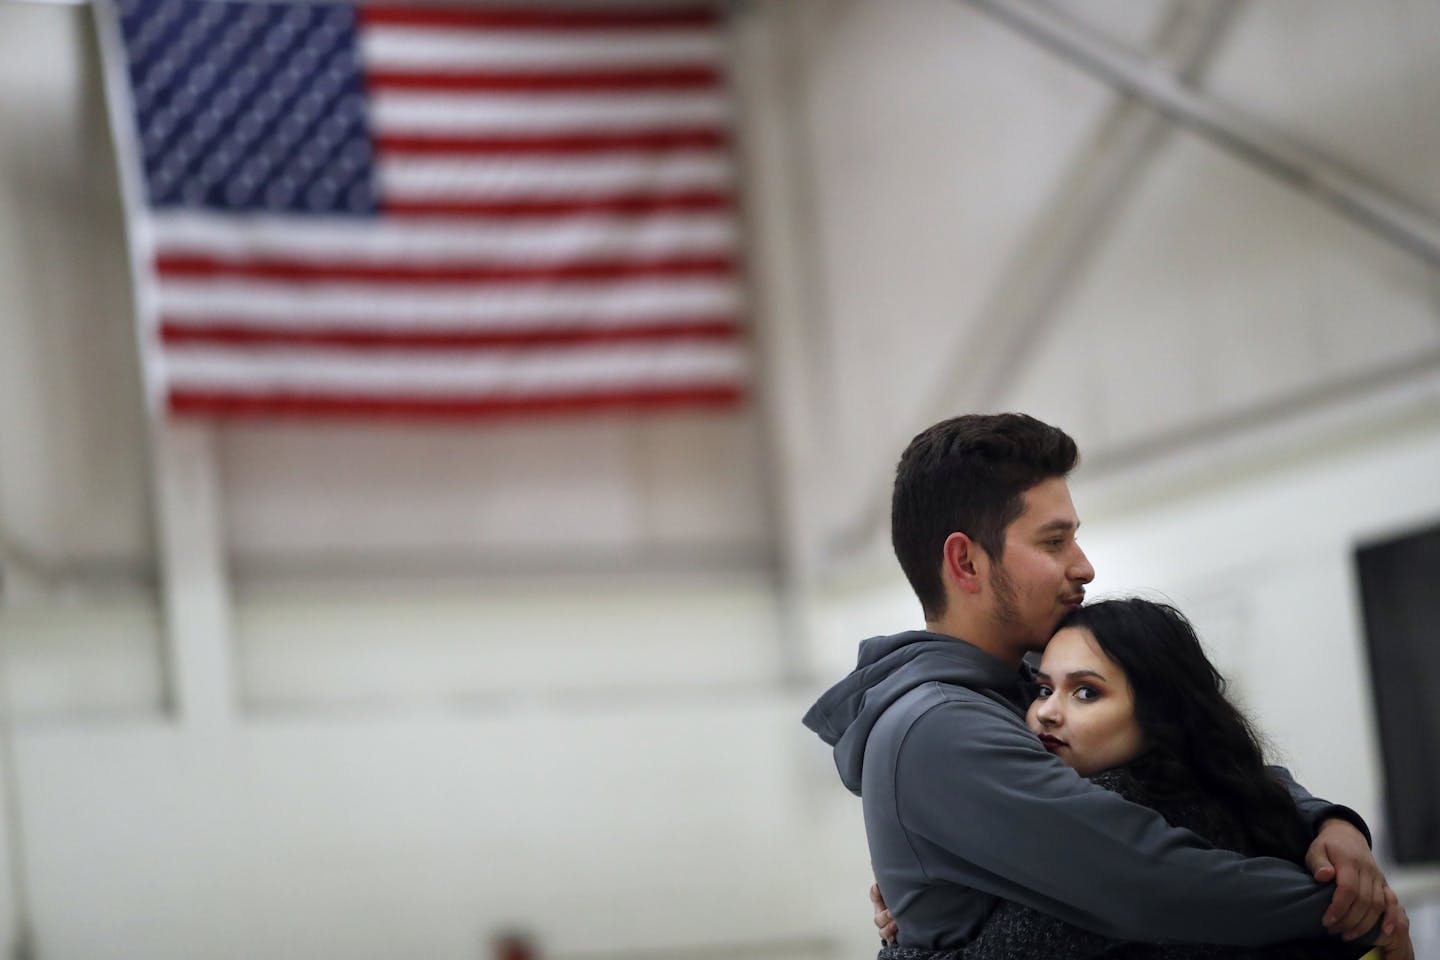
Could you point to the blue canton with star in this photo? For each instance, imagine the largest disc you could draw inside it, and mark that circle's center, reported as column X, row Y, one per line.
column 250, row 106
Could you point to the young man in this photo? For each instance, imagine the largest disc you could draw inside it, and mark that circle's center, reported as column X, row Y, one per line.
column 963, row 805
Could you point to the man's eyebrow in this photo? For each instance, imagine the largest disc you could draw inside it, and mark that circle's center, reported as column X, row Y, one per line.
column 1059, row 526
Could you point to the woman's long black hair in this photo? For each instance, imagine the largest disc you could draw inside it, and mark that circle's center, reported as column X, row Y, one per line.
column 1197, row 741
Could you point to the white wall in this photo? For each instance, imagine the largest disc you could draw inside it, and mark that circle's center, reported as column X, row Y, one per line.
column 420, row 731
column 624, row 822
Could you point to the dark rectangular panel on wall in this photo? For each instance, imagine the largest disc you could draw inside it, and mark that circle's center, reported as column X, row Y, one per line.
column 1400, row 592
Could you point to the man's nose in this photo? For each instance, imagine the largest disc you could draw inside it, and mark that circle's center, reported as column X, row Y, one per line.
column 1081, row 569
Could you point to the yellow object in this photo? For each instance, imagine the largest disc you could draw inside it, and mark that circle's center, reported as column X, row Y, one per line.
column 1372, row 954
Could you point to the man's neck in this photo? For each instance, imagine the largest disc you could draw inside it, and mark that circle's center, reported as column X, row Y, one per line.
column 981, row 635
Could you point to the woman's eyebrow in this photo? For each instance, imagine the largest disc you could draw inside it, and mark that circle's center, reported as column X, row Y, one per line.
column 1072, row 675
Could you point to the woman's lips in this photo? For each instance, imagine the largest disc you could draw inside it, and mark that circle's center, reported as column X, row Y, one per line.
column 1051, row 743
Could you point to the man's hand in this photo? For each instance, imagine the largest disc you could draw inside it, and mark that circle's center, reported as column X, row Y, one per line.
column 889, row 930
column 1340, row 853
column 1394, row 942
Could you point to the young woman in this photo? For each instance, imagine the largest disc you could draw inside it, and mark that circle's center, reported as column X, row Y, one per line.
column 1126, row 696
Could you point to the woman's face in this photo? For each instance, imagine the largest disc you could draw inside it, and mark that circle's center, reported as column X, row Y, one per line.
column 1084, row 713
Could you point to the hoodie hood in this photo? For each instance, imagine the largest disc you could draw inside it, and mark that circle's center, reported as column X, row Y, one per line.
column 890, row 667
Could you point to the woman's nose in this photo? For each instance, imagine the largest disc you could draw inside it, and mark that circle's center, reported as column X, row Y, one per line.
column 1048, row 714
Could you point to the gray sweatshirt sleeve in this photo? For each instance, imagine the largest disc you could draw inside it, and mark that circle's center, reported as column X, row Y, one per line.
column 982, row 804
column 1317, row 811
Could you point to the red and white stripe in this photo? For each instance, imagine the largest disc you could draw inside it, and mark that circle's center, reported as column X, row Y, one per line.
column 559, row 234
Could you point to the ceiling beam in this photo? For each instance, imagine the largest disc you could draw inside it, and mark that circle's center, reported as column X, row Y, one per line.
column 1056, row 249
column 1399, row 221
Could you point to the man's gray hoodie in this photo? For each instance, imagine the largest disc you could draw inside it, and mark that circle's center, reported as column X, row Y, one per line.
column 963, row 805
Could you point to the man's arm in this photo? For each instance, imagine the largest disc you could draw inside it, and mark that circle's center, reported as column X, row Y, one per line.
column 1394, row 942
column 983, row 805
column 1316, row 811
column 1340, row 853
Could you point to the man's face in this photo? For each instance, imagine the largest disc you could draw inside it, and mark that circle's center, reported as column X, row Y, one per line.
column 1042, row 574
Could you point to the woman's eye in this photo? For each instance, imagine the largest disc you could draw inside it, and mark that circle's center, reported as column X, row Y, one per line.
column 1087, row 694
column 1042, row 691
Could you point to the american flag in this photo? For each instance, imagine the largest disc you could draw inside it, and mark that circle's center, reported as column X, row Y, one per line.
column 433, row 211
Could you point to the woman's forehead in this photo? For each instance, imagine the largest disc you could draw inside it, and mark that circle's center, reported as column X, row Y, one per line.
column 1073, row 649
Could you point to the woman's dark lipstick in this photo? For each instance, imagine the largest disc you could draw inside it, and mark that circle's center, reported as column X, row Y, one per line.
column 1051, row 743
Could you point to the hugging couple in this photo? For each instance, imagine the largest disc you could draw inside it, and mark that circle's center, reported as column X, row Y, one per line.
column 1111, row 802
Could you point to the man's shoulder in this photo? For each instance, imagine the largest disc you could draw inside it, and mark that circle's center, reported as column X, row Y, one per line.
column 938, row 707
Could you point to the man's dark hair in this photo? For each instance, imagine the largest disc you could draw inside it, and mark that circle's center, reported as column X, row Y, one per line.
column 968, row 474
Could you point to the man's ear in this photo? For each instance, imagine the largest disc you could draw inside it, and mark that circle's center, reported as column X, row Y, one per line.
column 962, row 560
